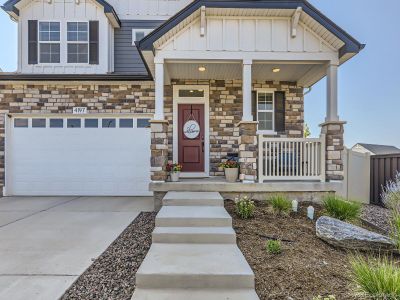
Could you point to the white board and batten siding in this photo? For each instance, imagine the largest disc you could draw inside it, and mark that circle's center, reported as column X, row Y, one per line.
column 63, row 11
column 252, row 34
column 147, row 9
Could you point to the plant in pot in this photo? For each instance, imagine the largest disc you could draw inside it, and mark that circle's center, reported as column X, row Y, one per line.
column 231, row 168
column 174, row 170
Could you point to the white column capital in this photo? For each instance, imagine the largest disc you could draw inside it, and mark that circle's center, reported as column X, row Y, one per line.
column 247, row 61
column 158, row 60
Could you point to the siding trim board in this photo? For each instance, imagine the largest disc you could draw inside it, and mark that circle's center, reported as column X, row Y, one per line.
column 74, row 77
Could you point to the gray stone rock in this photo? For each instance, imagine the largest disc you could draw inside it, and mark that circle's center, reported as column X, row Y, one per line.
column 345, row 235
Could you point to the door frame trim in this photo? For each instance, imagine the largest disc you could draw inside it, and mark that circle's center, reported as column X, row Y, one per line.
column 194, row 100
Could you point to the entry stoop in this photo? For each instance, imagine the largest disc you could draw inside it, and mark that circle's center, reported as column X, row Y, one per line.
column 193, row 199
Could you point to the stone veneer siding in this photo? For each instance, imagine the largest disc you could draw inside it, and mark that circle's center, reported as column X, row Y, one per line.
column 138, row 97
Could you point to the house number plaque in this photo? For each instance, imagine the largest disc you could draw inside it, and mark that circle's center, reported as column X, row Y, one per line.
column 191, row 129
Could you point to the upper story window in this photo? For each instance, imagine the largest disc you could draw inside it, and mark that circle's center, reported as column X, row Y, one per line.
column 265, row 110
column 78, row 42
column 49, row 42
column 138, row 34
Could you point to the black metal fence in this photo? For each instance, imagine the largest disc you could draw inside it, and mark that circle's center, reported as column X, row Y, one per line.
column 383, row 168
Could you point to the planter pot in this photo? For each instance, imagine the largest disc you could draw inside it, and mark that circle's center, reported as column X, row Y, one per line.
column 175, row 176
column 231, row 174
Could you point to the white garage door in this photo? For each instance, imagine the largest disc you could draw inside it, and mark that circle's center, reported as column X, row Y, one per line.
column 78, row 156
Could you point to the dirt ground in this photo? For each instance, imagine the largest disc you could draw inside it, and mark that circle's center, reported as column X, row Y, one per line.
column 307, row 266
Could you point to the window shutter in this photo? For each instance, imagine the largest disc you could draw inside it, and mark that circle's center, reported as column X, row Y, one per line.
column 279, row 111
column 94, row 42
column 254, row 105
column 32, row 42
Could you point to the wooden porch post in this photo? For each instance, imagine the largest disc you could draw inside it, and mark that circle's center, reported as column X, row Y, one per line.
column 246, row 90
column 332, row 93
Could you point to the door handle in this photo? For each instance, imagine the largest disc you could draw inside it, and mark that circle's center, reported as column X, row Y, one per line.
column 202, row 144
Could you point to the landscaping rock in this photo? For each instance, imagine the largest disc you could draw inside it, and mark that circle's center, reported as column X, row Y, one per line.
column 345, row 235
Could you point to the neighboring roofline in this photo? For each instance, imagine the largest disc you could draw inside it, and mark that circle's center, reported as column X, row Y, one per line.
column 73, row 77
column 10, row 8
column 351, row 44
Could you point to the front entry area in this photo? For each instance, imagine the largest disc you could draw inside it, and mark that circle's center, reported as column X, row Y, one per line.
column 79, row 155
column 191, row 129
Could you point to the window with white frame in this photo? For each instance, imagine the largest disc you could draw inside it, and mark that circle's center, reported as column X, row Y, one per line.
column 49, row 42
column 265, row 110
column 138, row 34
column 78, row 42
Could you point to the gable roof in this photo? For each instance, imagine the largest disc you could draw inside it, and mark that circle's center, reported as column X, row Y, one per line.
column 11, row 8
column 379, row 149
column 351, row 45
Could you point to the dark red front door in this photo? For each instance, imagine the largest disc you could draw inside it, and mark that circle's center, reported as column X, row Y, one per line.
column 191, row 138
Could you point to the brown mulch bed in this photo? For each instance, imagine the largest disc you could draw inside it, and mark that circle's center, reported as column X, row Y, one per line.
column 307, row 266
column 112, row 275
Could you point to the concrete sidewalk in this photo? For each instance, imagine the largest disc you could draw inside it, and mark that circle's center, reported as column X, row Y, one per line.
column 47, row 242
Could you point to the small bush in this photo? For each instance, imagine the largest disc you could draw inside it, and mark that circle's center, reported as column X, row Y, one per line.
column 245, row 207
column 280, row 204
column 395, row 226
column 376, row 278
column 391, row 193
column 273, row 247
column 341, row 209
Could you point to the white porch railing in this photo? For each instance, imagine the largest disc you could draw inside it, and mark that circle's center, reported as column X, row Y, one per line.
column 291, row 158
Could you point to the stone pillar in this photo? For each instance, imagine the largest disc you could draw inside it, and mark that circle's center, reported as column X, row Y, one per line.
column 159, row 150
column 334, row 152
column 248, row 150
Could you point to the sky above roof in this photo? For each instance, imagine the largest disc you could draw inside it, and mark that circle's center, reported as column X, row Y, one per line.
column 369, row 97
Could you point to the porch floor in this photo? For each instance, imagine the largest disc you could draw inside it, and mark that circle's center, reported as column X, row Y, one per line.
column 219, row 184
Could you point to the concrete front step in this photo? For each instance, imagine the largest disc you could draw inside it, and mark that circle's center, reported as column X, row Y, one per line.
column 193, row 198
column 194, row 235
column 193, row 216
column 194, row 266
column 195, row 294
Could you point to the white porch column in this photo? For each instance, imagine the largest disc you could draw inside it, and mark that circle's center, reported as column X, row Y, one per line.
column 332, row 93
column 159, row 89
column 246, row 82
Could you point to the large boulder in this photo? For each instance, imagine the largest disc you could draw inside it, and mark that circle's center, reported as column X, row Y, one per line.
column 345, row 235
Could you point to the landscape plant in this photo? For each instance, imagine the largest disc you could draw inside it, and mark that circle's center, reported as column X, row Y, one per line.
column 229, row 164
column 273, row 246
column 245, row 207
column 339, row 208
column 280, row 204
column 376, row 278
column 391, row 193
column 329, row 297
column 174, row 167
column 394, row 221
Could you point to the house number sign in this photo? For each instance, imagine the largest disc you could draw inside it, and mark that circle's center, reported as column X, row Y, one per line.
column 191, row 129
column 79, row 110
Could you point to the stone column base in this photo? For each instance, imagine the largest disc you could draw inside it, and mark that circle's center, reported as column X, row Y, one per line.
column 333, row 131
column 159, row 150
column 248, row 150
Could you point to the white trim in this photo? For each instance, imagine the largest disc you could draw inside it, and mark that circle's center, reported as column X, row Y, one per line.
column 195, row 100
column 7, row 154
column 146, row 31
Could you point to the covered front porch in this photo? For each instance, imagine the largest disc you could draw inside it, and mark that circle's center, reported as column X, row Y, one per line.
column 250, row 72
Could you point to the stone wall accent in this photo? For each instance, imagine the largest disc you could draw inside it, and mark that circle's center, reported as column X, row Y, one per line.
column 333, row 132
column 159, row 150
column 248, row 150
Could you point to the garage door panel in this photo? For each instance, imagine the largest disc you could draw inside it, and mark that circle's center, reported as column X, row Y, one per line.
column 79, row 161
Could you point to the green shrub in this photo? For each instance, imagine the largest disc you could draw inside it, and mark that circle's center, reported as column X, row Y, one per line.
column 245, row 207
column 341, row 209
column 376, row 278
column 391, row 193
column 280, row 204
column 395, row 226
column 273, row 247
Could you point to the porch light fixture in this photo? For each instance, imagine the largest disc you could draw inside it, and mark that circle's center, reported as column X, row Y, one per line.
column 202, row 68
column 276, row 70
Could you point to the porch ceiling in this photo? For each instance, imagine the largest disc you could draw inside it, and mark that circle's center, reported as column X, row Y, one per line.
column 295, row 72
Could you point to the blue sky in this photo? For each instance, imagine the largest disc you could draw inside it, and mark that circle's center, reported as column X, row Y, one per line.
column 369, row 84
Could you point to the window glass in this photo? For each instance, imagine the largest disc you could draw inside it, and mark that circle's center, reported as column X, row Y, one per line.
column 78, row 50
column 139, row 35
column 74, row 123
column 108, row 123
column 143, row 123
column 39, row 123
column 265, row 110
column 56, row 123
column 21, row 123
column 265, row 101
column 191, row 93
column 91, row 123
column 126, row 123
column 49, row 42
column 265, row 121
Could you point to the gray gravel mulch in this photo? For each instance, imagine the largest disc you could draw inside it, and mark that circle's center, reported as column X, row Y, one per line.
column 112, row 274
column 377, row 216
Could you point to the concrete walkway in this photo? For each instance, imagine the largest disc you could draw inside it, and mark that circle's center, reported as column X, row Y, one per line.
column 47, row 242
column 194, row 253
